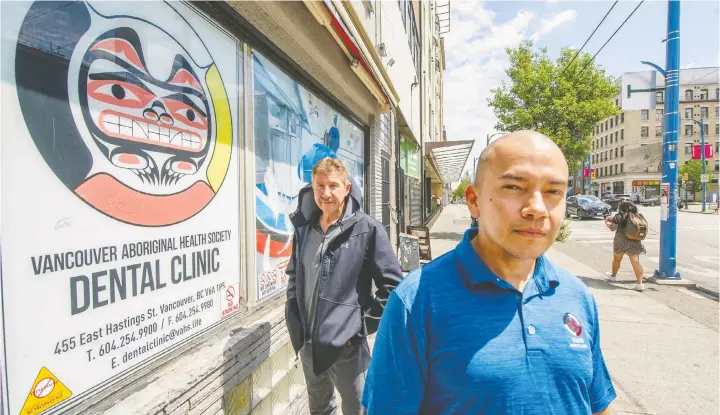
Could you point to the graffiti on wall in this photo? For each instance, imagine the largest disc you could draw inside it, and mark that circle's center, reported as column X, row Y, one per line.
column 293, row 131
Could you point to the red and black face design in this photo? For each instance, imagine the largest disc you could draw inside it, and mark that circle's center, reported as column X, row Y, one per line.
column 157, row 128
column 131, row 113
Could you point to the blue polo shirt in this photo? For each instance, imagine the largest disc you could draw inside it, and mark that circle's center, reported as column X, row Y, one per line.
column 456, row 339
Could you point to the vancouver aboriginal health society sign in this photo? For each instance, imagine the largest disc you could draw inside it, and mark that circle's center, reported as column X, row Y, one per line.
column 119, row 191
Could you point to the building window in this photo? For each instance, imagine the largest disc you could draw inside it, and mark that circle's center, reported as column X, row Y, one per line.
column 616, row 169
column 616, row 120
column 705, row 129
column 610, row 154
column 622, row 134
column 688, row 148
column 659, row 96
column 658, row 115
column 644, row 132
column 606, row 125
column 611, row 123
column 658, row 131
column 408, row 17
column 617, row 103
column 704, row 112
column 717, row 111
column 616, row 136
column 622, row 151
column 611, row 138
column 704, row 94
column 717, row 130
column 717, row 93
column 644, row 115
column 616, row 152
column 688, row 112
column 688, row 130
column 622, row 117
column 688, row 95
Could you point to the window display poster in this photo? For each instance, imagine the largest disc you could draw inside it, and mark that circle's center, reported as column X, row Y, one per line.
column 293, row 131
column 120, row 190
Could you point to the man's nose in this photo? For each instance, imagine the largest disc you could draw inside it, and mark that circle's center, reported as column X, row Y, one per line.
column 536, row 207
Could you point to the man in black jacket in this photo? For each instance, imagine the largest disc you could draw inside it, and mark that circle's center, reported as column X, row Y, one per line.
column 338, row 251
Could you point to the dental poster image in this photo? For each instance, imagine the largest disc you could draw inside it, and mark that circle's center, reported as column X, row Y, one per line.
column 293, row 131
column 120, row 191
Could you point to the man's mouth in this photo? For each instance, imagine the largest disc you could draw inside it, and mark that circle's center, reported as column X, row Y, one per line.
column 126, row 127
column 531, row 233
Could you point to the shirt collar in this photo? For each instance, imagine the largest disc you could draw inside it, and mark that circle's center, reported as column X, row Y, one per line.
column 475, row 272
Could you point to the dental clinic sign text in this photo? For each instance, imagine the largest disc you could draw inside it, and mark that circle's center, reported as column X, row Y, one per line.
column 120, row 190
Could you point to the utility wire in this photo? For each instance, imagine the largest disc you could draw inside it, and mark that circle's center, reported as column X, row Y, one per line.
column 612, row 36
column 588, row 39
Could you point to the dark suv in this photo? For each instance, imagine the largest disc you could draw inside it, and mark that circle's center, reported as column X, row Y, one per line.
column 586, row 206
column 614, row 199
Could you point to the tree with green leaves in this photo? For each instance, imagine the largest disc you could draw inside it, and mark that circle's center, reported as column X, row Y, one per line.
column 694, row 170
column 563, row 99
column 459, row 191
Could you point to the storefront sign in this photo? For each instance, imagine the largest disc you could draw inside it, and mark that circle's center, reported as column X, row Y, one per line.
column 293, row 131
column 120, row 191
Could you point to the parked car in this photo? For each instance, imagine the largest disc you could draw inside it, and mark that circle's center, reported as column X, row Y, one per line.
column 586, row 206
column 650, row 201
column 614, row 199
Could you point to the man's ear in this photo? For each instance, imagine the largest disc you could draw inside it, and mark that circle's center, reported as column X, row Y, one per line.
column 471, row 200
column 347, row 188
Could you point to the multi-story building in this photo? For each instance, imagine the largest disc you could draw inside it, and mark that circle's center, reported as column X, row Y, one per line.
column 627, row 148
column 168, row 142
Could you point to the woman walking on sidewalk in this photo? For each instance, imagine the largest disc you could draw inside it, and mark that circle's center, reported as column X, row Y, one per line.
column 622, row 245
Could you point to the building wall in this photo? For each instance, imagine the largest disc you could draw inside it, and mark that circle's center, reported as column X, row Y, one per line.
column 384, row 24
column 639, row 158
column 240, row 364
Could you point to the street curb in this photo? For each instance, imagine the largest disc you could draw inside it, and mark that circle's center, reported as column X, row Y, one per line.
column 707, row 291
column 699, row 213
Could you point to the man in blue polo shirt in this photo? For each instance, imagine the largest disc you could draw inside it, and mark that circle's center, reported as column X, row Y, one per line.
column 493, row 327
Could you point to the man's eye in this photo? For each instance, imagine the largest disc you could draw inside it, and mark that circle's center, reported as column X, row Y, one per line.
column 512, row 187
column 555, row 192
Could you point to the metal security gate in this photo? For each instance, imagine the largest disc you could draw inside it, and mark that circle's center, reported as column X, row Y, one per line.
column 414, row 201
column 385, row 204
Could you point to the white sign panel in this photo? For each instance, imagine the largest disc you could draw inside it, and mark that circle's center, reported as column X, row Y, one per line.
column 120, row 190
column 638, row 100
column 704, row 178
column 664, row 200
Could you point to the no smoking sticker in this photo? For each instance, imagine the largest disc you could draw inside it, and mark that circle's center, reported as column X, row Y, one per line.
column 46, row 392
column 230, row 300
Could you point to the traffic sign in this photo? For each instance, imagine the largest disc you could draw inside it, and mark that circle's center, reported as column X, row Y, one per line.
column 704, row 178
column 686, row 176
column 592, row 174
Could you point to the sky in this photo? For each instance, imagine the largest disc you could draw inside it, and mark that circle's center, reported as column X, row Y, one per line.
column 480, row 31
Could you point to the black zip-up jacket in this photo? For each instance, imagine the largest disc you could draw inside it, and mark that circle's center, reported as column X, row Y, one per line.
column 346, row 308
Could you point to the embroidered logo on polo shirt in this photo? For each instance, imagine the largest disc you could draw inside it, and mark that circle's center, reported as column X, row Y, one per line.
column 572, row 324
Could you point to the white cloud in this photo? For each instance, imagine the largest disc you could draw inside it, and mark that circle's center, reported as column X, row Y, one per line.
column 554, row 21
column 476, row 63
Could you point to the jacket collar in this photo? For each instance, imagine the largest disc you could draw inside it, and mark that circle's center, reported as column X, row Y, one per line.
column 475, row 272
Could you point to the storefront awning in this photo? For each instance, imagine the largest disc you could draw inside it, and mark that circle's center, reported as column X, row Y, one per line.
column 449, row 157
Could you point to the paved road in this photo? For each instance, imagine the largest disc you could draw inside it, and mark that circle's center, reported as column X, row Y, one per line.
column 697, row 247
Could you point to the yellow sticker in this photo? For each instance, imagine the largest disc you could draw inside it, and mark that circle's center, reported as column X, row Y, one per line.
column 47, row 391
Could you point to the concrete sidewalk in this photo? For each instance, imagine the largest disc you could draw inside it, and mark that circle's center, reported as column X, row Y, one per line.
column 661, row 361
